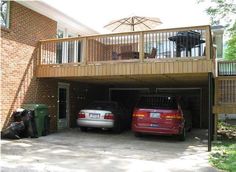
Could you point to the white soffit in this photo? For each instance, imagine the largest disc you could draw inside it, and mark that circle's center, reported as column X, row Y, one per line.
column 61, row 18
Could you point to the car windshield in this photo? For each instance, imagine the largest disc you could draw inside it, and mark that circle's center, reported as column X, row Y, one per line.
column 102, row 105
column 162, row 102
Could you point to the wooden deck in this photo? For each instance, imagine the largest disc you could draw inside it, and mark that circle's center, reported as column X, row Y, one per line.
column 127, row 58
column 172, row 66
column 128, row 54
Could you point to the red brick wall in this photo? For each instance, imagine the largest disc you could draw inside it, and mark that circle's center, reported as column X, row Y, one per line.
column 18, row 51
column 45, row 91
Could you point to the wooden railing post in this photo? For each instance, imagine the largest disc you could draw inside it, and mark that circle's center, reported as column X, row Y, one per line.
column 208, row 43
column 39, row 54
column 141, row 46
column 84, row 51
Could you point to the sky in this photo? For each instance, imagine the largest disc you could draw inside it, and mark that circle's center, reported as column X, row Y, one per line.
column 97, row 13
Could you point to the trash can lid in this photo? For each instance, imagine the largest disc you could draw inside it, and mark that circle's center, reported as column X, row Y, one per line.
column 34, row 106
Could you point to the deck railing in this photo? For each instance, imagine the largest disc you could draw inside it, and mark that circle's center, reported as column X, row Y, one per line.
column 60, row 51
column 227, row 68
column 226, row 90
column 190, row 42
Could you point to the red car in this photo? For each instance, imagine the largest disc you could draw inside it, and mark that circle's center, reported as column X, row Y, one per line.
column 157, row 114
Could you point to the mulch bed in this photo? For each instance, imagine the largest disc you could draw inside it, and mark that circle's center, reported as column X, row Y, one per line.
column 226, row 131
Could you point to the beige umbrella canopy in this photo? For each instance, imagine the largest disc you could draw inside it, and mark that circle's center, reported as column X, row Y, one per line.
column 133, row 23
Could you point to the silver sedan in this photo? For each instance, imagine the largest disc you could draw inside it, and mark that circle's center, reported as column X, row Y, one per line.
column 102, row 114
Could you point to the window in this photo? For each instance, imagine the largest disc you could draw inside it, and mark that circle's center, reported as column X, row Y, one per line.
column 5, row 13
column 59, row 54
column 162, row 102
column 60, row 34
column 67, row 51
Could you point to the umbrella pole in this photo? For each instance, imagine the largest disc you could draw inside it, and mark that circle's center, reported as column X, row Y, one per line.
column 132, row 23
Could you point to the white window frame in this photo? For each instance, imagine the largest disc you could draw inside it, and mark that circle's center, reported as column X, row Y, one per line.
column 75, row 53
column 65, row 47
column 8, row 16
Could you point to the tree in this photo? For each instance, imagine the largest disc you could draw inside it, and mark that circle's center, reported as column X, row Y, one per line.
column 223, row 12
column 230, row 52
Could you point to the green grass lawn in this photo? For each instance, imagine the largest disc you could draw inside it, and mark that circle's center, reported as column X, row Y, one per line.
column 223, row 154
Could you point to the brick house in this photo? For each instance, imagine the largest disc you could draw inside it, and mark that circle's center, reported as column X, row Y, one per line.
column 26, row 23
column 66, row 74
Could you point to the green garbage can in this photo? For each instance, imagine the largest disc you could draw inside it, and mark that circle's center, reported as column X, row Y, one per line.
column 41, row 117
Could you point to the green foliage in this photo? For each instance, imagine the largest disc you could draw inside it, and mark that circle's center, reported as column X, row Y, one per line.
column 222, row 12
column 230, row 52
column 223, row 155
column 224, row 125
column 232, row 30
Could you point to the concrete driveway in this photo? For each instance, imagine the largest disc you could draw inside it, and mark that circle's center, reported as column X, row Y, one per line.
column 96, row 151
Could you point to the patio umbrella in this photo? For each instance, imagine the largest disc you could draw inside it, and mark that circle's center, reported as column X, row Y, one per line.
column 133, row 23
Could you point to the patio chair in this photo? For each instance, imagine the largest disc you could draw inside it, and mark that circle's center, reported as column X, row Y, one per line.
column 153, row 54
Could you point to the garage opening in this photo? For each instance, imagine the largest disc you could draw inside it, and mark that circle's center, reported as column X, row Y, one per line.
column 193, row 99
column 128, row 97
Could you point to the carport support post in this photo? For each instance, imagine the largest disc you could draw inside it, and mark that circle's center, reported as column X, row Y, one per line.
column 210, row 103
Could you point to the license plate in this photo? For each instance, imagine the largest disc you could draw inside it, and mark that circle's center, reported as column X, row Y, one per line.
column 94, row 115
column 153, row 125
column 154, row 115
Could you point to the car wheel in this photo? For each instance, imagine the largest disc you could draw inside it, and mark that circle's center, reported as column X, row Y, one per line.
column 83, row 129
column 137, row 134
column 182, row 136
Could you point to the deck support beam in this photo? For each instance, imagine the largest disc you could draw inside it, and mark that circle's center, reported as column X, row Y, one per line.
column 210, row 105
